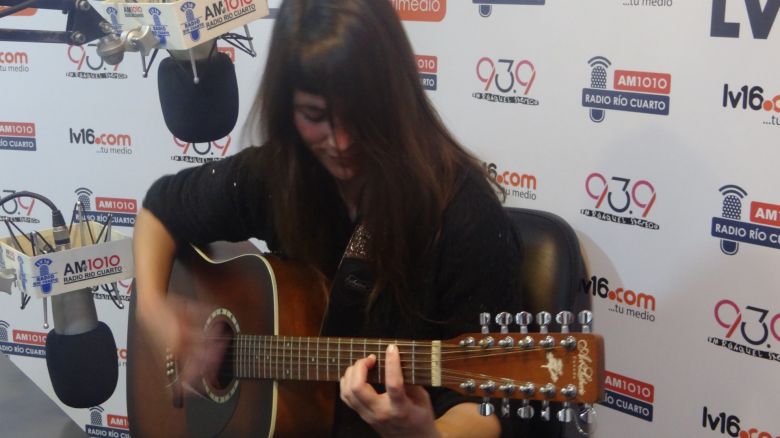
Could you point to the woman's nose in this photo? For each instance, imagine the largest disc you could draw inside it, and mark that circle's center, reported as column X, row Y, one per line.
column 339, row 139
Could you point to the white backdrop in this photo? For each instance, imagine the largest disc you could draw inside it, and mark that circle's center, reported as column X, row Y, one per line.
column 688, row 98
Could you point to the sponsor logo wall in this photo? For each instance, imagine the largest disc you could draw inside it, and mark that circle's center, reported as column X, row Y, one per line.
column 651, row 126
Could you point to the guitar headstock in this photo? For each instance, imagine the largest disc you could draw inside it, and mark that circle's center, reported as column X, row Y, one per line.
column 564, row 367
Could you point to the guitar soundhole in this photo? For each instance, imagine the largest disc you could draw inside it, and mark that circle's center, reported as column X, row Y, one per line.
column 225, row 374
column 219, row 379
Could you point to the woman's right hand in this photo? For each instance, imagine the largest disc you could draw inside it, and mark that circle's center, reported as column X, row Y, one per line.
column 174, row 324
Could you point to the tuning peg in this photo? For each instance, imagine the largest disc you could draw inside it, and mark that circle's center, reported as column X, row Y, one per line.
column 469, row 386
column 526, row 411
column 569, row 391
column 566, row 414
column 587, row 415
column 548, row 390
column 528, row 389
column 564, row 318
column 545, row 413
column 503, row 319
column 468, row 341
column 484, row 321
column 489, row 387
column 524, row 319
column 506, row 411
column 486, row 408
column 543, row 319
column 585, row 318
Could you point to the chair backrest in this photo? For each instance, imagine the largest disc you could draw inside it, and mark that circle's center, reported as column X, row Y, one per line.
column 552, row 269
column 553, row 266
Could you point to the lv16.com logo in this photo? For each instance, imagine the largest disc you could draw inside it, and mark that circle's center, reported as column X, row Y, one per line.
column 515, row 184
column 730, row 425
column 639, row 305
column 761, row 20
column 753, row 98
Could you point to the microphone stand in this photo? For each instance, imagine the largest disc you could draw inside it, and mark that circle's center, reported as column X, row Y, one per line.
column 84, row 23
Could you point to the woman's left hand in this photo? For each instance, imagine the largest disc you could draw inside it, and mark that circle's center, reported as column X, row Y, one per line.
column 402, row 411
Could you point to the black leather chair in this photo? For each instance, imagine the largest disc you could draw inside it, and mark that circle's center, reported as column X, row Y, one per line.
column 553, row 266
column 552, row 269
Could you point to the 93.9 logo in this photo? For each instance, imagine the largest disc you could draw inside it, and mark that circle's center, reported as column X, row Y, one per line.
column 755, row 324
column 90, row 65
column 19, row 209
column 620, row 195
column 202, row 152
column 503, row 79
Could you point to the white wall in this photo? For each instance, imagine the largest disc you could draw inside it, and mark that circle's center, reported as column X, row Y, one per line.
column 661, row 350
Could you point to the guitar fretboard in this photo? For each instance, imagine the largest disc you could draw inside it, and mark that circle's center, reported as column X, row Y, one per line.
column 326, row 359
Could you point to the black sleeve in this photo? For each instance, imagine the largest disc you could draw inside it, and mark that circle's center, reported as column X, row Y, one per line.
column 220, row 200
column 478, row 271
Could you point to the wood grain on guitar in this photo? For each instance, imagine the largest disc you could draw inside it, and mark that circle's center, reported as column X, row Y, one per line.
column 274, row 381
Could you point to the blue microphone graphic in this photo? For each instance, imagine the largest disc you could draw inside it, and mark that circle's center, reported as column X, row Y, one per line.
column 732, row 209
column 598, row 79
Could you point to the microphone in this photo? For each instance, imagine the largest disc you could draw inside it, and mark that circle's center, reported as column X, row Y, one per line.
column 80, row 350
column 198, row 107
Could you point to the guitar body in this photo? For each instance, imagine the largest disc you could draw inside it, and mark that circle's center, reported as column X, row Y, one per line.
column 260, row 295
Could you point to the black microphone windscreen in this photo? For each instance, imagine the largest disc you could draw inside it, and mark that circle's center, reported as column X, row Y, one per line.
column 83, row 368
column 203, row 112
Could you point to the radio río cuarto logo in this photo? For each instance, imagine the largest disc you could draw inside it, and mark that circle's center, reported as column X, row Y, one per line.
column 428, row 68
column 620, row 200
column 122, row 211
column 762, row 227
column 627, row 395
column 18, row 136
column 629, row 90
column 21, row 342
column 114, row 426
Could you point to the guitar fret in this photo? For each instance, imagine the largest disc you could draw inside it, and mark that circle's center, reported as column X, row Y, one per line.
column 317, row 365
column 413, row 363
column 379, row 360
column 308, row 355
column 299, row 360
column 240, row 356
column 351, row 348
column 338, row 354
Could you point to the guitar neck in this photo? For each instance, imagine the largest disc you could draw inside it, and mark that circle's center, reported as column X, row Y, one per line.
column 326, row 359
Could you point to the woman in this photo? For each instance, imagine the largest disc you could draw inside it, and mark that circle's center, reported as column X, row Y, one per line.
column 354, row 157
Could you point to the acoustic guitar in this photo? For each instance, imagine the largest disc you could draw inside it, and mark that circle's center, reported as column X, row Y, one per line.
column 277, row 377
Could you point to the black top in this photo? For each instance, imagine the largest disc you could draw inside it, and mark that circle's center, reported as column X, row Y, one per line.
column 473, row 269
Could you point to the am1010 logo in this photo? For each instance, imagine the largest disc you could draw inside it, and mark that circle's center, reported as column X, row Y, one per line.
column 620, row 200
column 639, row 305
column 753, row 98
column 201, row 152
column 730, row 425
column 758, row 327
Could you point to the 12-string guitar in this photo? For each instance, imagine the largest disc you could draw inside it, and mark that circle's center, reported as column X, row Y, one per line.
column 277, row 376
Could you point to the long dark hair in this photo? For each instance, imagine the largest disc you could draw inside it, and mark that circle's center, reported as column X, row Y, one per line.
column 356, row 55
